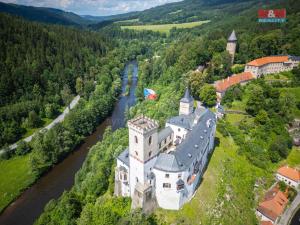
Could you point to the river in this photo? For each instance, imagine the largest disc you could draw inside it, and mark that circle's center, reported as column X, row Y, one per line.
column 296, row 218
column 27, row 208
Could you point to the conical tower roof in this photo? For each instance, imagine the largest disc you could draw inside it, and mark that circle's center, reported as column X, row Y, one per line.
column 187, row 98
column 232, row 37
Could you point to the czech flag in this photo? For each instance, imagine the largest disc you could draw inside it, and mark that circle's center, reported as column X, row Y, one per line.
column 149, row 94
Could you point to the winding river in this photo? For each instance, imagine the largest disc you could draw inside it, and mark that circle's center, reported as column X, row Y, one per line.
column 27, row 208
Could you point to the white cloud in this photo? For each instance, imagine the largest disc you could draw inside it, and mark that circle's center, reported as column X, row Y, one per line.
column 95, row 7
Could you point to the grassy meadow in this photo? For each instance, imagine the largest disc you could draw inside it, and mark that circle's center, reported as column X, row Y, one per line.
column 15, row 176
column 164, row 28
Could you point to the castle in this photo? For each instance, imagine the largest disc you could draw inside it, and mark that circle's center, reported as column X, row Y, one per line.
column 164, row 168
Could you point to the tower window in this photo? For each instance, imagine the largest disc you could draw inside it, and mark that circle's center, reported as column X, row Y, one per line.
column 136, row 139
column 150, row 153
column 166, row 185
column 136, row 153
column 150, row 140
column 167, row 175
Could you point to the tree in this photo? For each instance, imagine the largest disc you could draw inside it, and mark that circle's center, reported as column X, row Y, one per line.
column 23, row 148
column 79, row 86
column 196, row 81
column 208, row 95
column 51, row 110
column 66, row 95
column 255, row 101
column 261, row 117
column 287, row 103
column 33, row 120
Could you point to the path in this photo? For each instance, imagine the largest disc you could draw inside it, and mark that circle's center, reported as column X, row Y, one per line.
column 289, row 212
column 58, row 119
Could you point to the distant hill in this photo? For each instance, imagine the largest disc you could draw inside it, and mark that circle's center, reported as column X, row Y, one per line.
column 45, row 15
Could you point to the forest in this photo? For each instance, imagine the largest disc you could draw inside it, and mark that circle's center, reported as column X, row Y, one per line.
column 39, row 70
column 167, row 64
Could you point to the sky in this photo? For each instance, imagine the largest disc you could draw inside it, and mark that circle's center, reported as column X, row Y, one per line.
column 94, row 7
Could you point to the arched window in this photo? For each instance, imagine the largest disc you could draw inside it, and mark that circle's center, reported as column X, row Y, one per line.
column 150, row 140
column 136, row 139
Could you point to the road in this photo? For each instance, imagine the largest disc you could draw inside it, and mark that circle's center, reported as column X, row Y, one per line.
column 58, row 119
column 289, row 212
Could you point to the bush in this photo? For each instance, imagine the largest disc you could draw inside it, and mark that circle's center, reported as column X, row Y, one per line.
column 282, row 186
column 23, row 148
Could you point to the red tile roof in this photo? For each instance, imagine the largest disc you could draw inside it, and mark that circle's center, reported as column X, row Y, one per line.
column 223, row 85
column 290, row 173
column 274, row 204
column 266, row 223
column 268, row 59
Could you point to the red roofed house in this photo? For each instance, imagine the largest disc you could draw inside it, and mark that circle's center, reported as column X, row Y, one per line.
column 222, row 85
column 271, row 64
column 272, row 206
column 289, row 175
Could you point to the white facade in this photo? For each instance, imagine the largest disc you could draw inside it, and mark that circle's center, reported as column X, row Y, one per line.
column 288, row 181
column 272, row 67
column 165, row 168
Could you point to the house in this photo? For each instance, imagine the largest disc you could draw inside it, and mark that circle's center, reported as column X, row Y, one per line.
column 272, row 206
column 164, row 168
column 241, row 78
column 271, row 64
column 288, row 175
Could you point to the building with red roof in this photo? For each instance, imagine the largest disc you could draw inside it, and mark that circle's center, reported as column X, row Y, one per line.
column 289, row 175
column 266, row 223
column 272, row 206
column 271, row 64
column 241, row 78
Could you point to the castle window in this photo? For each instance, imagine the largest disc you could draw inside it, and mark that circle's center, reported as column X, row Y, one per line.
column 159, row 145
column 136, row 153
column 150, row 140
column 179, row 175
column 150, row 153
column 166, row 185
column 165, row 141
column 178, row 129
column 167, row 175
column 136, row 139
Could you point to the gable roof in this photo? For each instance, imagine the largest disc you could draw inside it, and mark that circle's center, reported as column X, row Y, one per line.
column 290, row 173
column 232, row 36
column 192, row 146
column 223, row 85
column 269, row 59
column 274, row 204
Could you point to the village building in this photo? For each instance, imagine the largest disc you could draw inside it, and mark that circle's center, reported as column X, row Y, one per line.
column 271, row 64
column 222, row 85
column 164, row 168
column 272, row 206
column 266, row 223
column 289, row 175
column 231, row 45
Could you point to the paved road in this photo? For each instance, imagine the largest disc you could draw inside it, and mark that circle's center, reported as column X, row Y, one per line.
column 59, row 119
column 287, row 215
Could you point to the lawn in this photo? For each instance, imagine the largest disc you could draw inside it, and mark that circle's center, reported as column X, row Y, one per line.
column 164, row 28
column 226, row 194
column 15, row 176
column 235, row 118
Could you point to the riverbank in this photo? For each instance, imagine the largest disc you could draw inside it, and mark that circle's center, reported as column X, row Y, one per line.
column 61, row 177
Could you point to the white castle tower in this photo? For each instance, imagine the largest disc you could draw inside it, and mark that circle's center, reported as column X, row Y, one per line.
column 231, row 45
column 186, row 104
column 143, row 151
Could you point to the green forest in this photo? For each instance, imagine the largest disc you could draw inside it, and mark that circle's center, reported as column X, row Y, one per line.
column 41, row 72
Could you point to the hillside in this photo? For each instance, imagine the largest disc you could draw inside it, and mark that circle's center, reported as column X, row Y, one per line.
column 44, row 15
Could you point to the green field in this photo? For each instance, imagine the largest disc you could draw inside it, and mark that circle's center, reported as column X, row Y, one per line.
column 226, row 194
column 15, row 176
column 164, row 28
column 127, row 21
column 294, row 158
